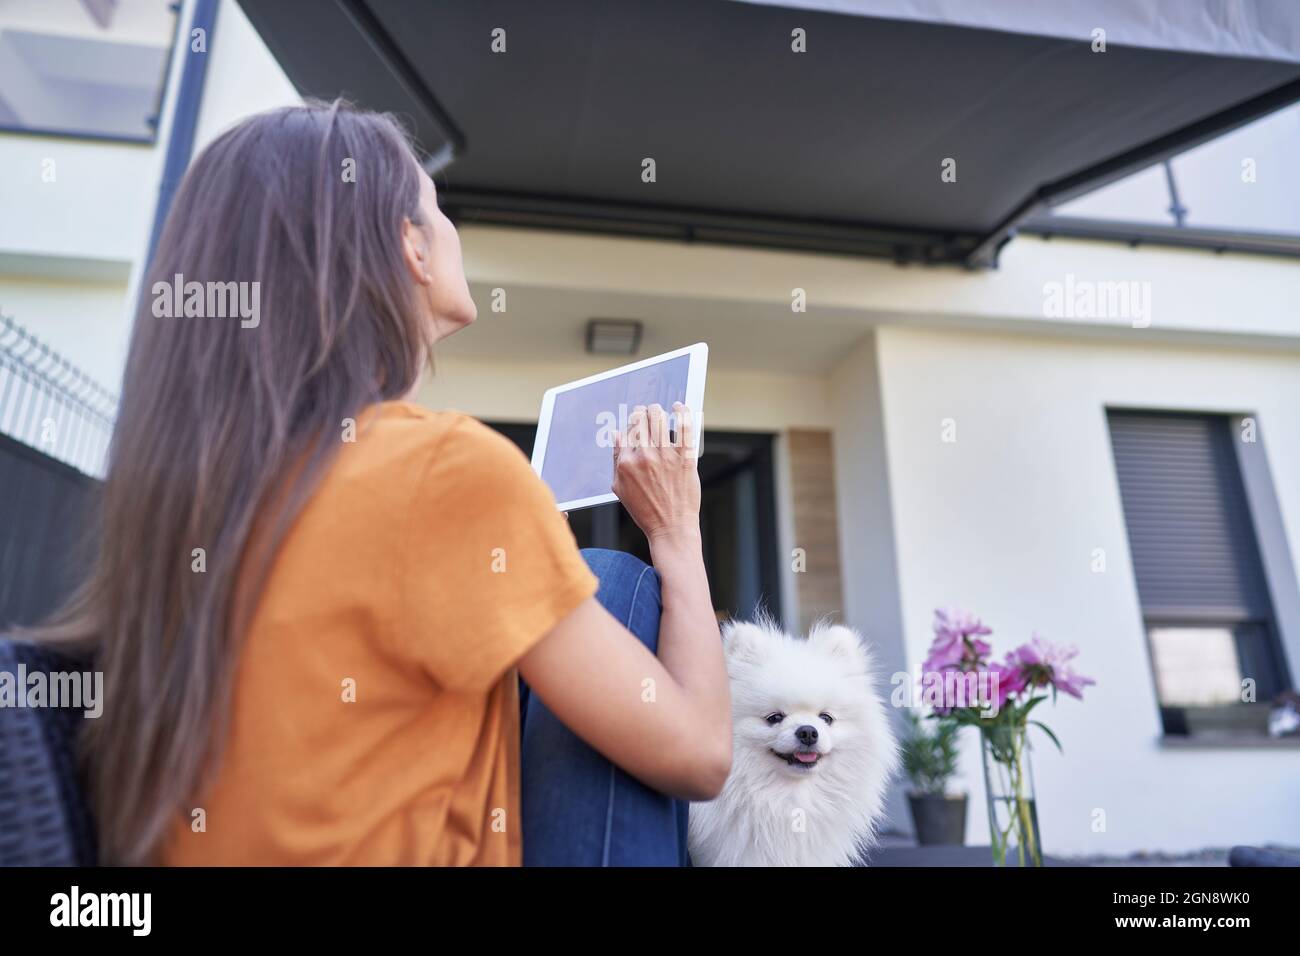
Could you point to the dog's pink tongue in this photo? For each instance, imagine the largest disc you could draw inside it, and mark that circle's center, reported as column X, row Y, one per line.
column 805, row 758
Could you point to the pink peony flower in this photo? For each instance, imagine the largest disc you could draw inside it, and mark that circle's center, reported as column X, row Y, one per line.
column 959, row 623
column 957, row 647
column 1045, row 664
column 944, row 654
column 1011, row 679
column 1070, row 682
column 956, row 642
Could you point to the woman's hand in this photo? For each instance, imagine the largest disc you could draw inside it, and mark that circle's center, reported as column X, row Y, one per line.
column 655, row 475
column 592, row 673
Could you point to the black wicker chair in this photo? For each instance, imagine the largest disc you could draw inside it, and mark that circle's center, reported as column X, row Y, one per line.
column 1262, row 856
column 44, row 819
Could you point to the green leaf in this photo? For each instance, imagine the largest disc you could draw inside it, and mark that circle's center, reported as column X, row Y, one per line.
column 1044, row 728
column 1033, row 702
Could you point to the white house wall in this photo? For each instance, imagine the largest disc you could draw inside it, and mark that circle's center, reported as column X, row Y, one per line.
column 1004, row 521
column 77, row 213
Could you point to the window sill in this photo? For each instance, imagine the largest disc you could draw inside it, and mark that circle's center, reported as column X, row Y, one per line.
column 1229, row 742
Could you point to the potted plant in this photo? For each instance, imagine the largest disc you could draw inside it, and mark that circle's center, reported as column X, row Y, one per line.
column 970, row 688
column 930, row 760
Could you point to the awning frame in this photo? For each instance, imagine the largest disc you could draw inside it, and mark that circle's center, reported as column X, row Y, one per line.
column 408, row 77
column 1039, row 204
column 971, row 250
column 1161, row 234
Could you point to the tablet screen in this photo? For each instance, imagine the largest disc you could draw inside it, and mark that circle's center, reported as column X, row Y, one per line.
column 579, row 450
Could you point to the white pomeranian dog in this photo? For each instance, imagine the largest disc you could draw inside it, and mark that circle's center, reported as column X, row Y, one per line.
column 813, row 752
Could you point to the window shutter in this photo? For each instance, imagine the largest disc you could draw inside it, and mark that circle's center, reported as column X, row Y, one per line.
column 1193, row 545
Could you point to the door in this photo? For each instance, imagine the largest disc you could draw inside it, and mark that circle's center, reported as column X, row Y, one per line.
column 737, row 520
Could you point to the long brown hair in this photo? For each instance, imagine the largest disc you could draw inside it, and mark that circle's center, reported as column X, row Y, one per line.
column 225, row 427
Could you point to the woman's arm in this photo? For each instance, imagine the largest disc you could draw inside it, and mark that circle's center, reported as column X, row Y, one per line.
column 665, row 720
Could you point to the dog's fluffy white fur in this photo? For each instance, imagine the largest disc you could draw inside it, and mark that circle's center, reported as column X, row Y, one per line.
column 813, row 752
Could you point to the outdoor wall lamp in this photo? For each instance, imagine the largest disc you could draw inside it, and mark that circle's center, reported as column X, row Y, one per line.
column 613, row 336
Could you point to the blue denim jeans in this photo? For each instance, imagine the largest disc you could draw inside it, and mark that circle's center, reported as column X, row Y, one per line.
column 578, row 808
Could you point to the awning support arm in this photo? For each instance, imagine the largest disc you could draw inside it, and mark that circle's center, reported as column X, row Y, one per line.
column 390, row 54
column 985, row 253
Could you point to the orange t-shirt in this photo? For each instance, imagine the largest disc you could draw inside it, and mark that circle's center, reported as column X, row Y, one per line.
column 375, row 713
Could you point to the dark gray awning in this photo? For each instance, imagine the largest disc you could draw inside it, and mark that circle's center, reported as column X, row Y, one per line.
column 839, row 148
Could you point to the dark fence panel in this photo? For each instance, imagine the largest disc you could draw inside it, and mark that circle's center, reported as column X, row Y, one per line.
column 46, row 514
column 55, row 425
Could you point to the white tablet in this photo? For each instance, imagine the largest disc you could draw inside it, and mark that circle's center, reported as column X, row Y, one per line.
column 574, row 451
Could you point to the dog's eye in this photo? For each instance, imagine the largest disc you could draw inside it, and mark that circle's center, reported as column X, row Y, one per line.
column 828, row 718
column 775, row 719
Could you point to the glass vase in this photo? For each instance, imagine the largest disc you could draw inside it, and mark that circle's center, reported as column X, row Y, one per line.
column 1009, row 786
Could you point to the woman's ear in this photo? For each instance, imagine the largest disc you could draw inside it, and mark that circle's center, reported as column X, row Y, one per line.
column 415, row 250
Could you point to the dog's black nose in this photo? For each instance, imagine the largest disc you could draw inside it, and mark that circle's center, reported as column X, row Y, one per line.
column 806, row 735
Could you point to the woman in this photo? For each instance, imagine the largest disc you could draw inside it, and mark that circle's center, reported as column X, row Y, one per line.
column 311, row 595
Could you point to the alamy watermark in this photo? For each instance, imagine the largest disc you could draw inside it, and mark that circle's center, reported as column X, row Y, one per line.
column 133, row 911
column 643, row 431
column 208, row 300
column 946, row 690
column 1128, row 299
column 75, row 690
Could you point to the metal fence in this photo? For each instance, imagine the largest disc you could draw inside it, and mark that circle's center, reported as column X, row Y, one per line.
column 48, row 403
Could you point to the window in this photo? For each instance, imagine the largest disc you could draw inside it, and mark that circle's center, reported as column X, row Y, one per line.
column 85, row 68
column 1205, row 600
